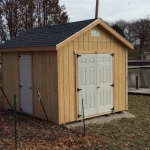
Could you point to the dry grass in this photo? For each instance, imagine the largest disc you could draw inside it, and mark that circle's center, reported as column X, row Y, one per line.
column 127, row 134
column 123, row 134
column 36, row 134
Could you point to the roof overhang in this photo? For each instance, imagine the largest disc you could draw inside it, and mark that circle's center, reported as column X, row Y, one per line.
column 29, row 49
column 90, row 26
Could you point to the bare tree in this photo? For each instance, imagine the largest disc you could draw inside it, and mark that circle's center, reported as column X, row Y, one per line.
column 140, row 32
column 121, row 26
column 11, row 15
column 21, row 15
column 3, row 35
column 50, row 12
column 27, row 14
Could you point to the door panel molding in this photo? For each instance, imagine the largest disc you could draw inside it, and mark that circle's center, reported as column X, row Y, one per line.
column 26, row 83
column 95, row 77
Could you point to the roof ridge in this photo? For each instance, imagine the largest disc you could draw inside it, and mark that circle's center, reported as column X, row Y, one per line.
column 64, row 23
column 34, row 28
column 46, row 35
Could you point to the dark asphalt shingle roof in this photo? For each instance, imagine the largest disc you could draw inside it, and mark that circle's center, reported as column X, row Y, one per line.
column 46, row 35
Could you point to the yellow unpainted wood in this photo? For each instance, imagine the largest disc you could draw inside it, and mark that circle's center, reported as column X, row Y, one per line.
column 112, row 50
column 85, row 52
column 33, row 88
column 106, row 44
column 36, row 84
column 77, row 86
column 123, row 78
column 55, row 96
column 45, row 80
column 126, row 80
column 32, row 85
column 11, row 79
column 85, row 42
column 39, row 79
column 76, row 35
column 76, row 44
column 109, row 37
column 90, row 43
column 3, row 77
column 71, row 66
column 116, row 35
column 7, row 87
column 55, row 88
column 81, row 43
column 66, row 82
column 89, row 27
column 112, row 44
column 61, row 104
column 99, row 46
column 116, row 82
column 16, row 76
column 3, row 105
column 120, row 79
column 95, row 40
column 28, row 49
column 104, row 40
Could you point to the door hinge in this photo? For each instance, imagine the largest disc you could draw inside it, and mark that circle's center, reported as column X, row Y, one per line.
column 79, row 115
column 20, row 86
column 112, row 109
column 112, row 54
column 112, row 85
column 78, row 55
column 78, row 89
column 19, row 56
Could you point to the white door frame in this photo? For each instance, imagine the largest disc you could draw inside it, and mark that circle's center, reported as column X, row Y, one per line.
column 78, row 86
column 25, row 65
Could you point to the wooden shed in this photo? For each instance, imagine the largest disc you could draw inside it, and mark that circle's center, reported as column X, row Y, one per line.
column 67, row 63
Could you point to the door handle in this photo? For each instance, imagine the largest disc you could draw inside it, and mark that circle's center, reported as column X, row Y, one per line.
column 98, row 87
column 29, row 87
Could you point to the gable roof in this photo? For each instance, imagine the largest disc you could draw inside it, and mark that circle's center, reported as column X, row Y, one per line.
column 56, row 36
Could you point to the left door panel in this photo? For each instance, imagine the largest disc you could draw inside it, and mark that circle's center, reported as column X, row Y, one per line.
column 25, row 83
column 87, row 84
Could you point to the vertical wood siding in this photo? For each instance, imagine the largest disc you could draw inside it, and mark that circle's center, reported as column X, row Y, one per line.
column 10, row 78
column 45, row 81
column 67, row 94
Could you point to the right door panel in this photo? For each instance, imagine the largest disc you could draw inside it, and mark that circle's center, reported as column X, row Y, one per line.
column 104, row 83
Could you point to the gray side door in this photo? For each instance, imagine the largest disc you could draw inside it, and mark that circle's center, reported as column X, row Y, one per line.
column 25, row 83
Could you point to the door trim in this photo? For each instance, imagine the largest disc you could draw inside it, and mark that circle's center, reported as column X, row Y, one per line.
column 32, row 81
column 77, row 84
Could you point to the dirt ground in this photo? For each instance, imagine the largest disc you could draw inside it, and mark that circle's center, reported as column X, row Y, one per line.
column 122, row 134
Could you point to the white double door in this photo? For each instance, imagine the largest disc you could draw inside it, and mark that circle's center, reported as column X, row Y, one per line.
column 95, row 83
column 25, row 83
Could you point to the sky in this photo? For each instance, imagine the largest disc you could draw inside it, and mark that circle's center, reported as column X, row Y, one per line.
column 109, row 10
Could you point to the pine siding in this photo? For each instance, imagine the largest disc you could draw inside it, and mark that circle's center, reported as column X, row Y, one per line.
column 10, row 78
column 44, row 80
column 68, row 71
